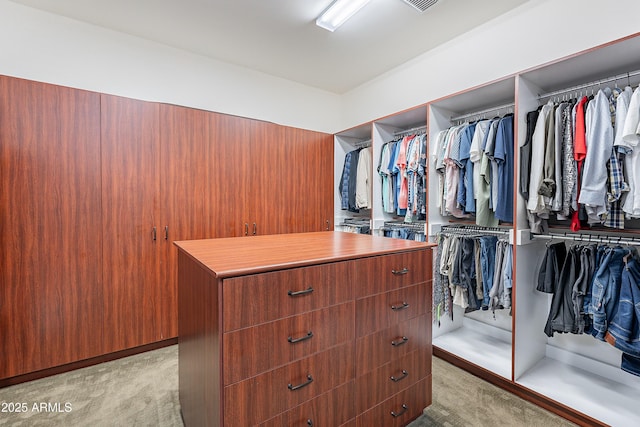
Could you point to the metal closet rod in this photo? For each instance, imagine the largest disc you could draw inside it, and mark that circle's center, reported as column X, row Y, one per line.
column 481, row 112
column 412, row 130
column 590, row 84
column 594, row 238
column 362, row 144
column 474, row 229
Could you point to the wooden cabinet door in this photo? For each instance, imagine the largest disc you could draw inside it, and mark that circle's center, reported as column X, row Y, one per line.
column 292, row 178
column 185, row 194
column 232, row 192
column 50, row 221
column 312, row 155
column 132, row 231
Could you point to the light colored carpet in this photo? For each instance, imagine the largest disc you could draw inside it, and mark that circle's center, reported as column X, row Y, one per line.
column 142, row 390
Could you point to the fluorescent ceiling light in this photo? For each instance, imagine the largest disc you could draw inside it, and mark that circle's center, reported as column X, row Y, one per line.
column 338, row 12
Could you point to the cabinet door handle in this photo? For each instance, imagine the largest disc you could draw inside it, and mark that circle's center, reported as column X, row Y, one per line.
column 166, row 232
column 302, row 338
column 328, row 225
column 299, row 386
column 246, row 229
column 401, row 413
column 400, row 342
column 153, row 234
column 403, row 306
column 404, row 375
column 300, row 293
column 310, row 423
column 400, row 272
column 255, row 229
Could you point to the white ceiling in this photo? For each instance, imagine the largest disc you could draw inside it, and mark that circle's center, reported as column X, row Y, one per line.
column 280, row 38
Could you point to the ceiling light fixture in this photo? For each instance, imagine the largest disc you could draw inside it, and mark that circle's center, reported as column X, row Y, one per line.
column 338, row 12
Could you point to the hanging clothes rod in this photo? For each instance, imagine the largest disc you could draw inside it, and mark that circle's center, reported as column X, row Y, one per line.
column 474, row 229
column 418, row 129
column 363, row 144
column 481, row 112
column 626, row 76
column 593, row 238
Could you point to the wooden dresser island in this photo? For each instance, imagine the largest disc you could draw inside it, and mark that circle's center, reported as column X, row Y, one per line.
column 308, row 329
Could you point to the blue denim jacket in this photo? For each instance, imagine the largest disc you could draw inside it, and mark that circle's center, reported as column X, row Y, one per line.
column 625, row 325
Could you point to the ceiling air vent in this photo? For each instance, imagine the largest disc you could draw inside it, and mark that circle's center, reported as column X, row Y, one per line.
column 421, row 5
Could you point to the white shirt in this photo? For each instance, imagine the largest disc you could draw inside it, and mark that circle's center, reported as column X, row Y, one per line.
column 363, row 179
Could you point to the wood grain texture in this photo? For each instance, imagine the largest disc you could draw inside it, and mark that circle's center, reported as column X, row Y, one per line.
column 258, row 298
column 384, row 310
column 377, row 385
column 377, row 349
column 333, row 408
column 260, row 398
column 135, row 301
column 199, row 359
column 377, row 275
column 51, row 286
column 414, row 399
column 230, row 176
column 234, row 257
column 326, row 328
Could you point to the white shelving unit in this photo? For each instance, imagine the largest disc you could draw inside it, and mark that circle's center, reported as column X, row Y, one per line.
column 574, row 375
column 477, row 337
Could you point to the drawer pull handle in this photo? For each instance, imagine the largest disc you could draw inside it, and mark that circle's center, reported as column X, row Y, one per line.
column 404, row 375
column 309, row 422
column 300, row 293
column 303, row 338
column 299, row 386
column 400, row 307
column 400, row 272
column 401, row 413
column 403, row 340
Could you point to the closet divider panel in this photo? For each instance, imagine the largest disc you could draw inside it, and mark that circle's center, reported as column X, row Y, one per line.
column 132, row 234
column 51, row 293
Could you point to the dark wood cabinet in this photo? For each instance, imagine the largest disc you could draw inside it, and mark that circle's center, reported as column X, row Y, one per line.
column 132, row 232
column 51, row 290
column 95, row 188
column 272, row 324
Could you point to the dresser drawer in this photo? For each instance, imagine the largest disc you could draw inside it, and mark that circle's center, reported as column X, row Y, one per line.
column 388, row 272
column 374, row 350
column 251, row 351
column 384, row 310
column 263, row 397
column 400, row 409
column 391, row 378
column 329, row 409
column 258, row 298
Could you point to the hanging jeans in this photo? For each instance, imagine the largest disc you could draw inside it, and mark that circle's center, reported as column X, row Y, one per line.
column 606, row 290
column 625, row 325
column 488, row 258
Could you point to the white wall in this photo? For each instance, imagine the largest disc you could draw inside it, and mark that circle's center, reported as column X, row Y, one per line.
column 45, row 47
column 535, row 33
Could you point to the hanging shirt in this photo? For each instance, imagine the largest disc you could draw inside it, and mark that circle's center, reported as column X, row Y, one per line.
column 536, row 203
column 484, row 214
column 627, row 139
column 503, row 155
column 465, row 188
column 599, row 140
column 363, row 179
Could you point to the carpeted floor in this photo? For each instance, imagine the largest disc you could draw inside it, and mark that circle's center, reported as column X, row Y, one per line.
column 142, row 390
